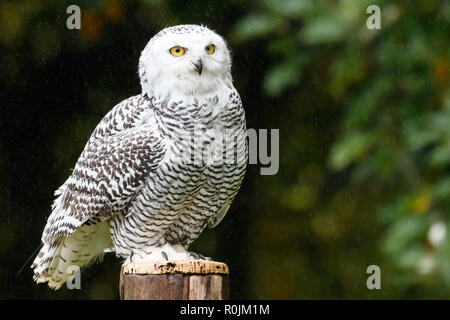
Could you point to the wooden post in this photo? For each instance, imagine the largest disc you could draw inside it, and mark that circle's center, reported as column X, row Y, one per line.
column 174, row 280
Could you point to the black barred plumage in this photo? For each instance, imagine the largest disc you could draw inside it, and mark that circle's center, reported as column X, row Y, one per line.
column 158, row 168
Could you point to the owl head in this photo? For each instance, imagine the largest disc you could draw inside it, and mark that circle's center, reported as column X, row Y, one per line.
column 184, row 60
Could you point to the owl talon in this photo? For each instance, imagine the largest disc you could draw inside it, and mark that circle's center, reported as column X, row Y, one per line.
column 164, row 254
column 198, row 256
column 131, row 256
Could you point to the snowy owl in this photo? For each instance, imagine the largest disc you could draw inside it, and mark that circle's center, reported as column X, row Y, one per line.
column 159, row 167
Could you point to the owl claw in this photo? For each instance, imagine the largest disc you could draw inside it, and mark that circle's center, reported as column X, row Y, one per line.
column 164, row 254
column 131, row 256
column 198, row 256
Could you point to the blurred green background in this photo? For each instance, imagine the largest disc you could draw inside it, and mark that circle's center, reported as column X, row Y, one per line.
column 364, row 119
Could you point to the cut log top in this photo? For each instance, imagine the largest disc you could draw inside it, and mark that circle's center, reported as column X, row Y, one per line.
column 171, row 267
column 174, row 280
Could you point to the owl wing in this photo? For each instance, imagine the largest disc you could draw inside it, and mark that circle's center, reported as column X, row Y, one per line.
column 121, row 152
column 233, row 174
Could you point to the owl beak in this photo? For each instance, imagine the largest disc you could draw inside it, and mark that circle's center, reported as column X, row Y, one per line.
column 198, row 66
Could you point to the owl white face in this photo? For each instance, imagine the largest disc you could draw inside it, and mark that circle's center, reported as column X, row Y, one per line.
column 186, row 60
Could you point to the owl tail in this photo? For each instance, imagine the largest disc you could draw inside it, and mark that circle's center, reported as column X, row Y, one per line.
column 59, row 260
column 45, row 263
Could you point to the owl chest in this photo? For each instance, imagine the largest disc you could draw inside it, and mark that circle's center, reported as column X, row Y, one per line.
column 198, row 134
column 199, row 147
column 189, row 164
column 182, row 177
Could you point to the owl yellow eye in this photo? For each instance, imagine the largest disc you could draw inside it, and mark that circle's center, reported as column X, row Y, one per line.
column 210, row 48
column 177, row 51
